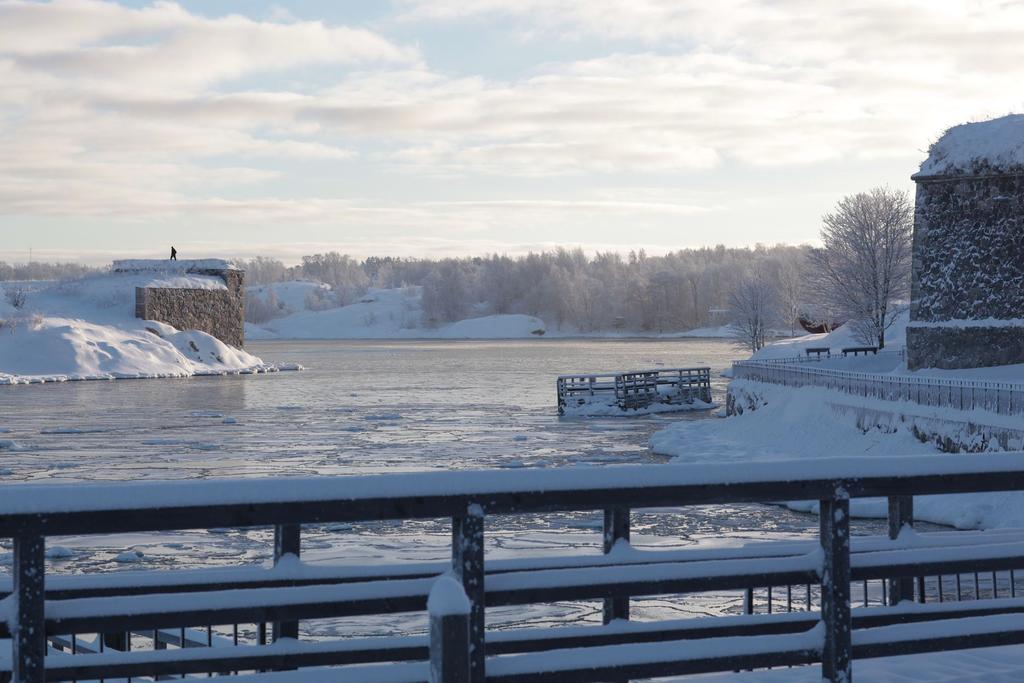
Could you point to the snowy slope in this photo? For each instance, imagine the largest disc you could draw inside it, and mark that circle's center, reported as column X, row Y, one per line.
column 86, row 329
column 387, row 314
column 801, row 423
column 291, row 297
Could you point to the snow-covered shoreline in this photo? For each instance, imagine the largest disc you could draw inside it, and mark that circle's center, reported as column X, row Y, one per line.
column 85, row 329
column 784, row 422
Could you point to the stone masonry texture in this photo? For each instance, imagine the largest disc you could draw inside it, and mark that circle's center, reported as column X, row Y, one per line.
column 217, row 312
column 968, row 265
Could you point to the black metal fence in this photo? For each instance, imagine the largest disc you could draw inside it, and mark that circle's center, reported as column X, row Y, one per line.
column 1001, row 398
column 91, row 621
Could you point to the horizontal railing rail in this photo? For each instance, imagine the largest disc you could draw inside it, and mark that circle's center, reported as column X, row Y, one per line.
column 180, row 602
column 1001, row 398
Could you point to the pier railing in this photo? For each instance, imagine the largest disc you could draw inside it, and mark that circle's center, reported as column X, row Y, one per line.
column 92, row 626
column 636, row 389
column 1001, row 398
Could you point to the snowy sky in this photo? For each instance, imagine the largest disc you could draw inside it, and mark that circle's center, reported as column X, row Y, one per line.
column 431, row 127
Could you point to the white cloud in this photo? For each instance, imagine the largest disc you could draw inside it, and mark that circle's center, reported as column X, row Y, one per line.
column 107, row 110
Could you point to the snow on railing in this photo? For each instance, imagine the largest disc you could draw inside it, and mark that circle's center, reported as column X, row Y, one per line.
column 291, row 592
column 1001, row 398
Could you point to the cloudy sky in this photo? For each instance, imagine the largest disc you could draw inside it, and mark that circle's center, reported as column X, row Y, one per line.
column 431, row 127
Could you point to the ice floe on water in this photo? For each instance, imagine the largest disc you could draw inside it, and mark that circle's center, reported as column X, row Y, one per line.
column 383, row 417
column 130, row 557
column 206, row 413
column 59, row 552
column 73, row 430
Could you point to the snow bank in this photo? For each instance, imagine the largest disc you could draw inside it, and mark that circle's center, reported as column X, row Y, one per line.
column 510, row 326
column 60, row 349
column 986, row 145
column 86, row 329
column 800, row 423
column 382, row 314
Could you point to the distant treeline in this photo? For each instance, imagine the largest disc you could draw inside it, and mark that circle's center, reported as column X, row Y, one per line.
column 43, row 271
column 682, row 290
column 567, row 288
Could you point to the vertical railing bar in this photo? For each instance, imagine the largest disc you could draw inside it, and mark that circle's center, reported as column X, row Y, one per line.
column 28, row 630
column 835, row 587
column 287, row 541
column 616, row 529
column 468, row 566
column 901, row 514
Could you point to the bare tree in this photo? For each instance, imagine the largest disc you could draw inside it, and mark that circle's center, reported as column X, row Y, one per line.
column 791, row 294
column 864, row 266
column 753, row 308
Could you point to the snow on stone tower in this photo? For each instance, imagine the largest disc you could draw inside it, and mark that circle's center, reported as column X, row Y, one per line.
column 967, row 290
column 204, row 294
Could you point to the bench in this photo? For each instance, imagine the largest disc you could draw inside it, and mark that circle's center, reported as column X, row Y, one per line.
column 856, row 350
column 818, row 350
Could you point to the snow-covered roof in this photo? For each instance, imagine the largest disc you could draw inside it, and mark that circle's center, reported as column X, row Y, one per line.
column 168, row 266
column 986, row 146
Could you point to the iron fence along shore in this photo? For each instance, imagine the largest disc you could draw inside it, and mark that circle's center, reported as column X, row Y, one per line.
column 1000, row 398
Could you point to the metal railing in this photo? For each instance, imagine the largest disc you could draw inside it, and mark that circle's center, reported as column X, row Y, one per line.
column 64, row 610
column 1001, row 398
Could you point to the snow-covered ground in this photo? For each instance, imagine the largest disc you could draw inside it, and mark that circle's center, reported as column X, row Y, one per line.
column 303, row 310
column 86, row 329
column 801, row 423
column 380, row 314
column 383, row 314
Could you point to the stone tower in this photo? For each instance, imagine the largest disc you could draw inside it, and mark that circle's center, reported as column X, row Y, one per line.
column 967, row 290
column 205, row 294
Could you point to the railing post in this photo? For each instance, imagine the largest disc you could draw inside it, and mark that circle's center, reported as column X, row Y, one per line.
column 835, row 588
column 449, row 611
column 901, row 514
column 287, row 541
column 616, row 528
column 28, row 631
column 468, row 564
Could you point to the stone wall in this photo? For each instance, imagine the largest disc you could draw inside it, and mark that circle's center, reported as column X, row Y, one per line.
column 968, row 268
column 218, row 312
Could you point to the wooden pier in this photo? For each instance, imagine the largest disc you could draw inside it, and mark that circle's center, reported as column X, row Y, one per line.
column 154, row 613
column 634, row 391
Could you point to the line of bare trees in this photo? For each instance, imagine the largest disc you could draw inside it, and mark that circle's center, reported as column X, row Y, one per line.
column 682, row 290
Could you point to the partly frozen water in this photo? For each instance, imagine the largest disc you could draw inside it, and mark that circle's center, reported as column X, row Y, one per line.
column 370, row 407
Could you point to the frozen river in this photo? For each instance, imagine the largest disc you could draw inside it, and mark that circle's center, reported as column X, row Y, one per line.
column 370, row 407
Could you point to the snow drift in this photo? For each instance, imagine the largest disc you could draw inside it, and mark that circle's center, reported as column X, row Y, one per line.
column 86, row 329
